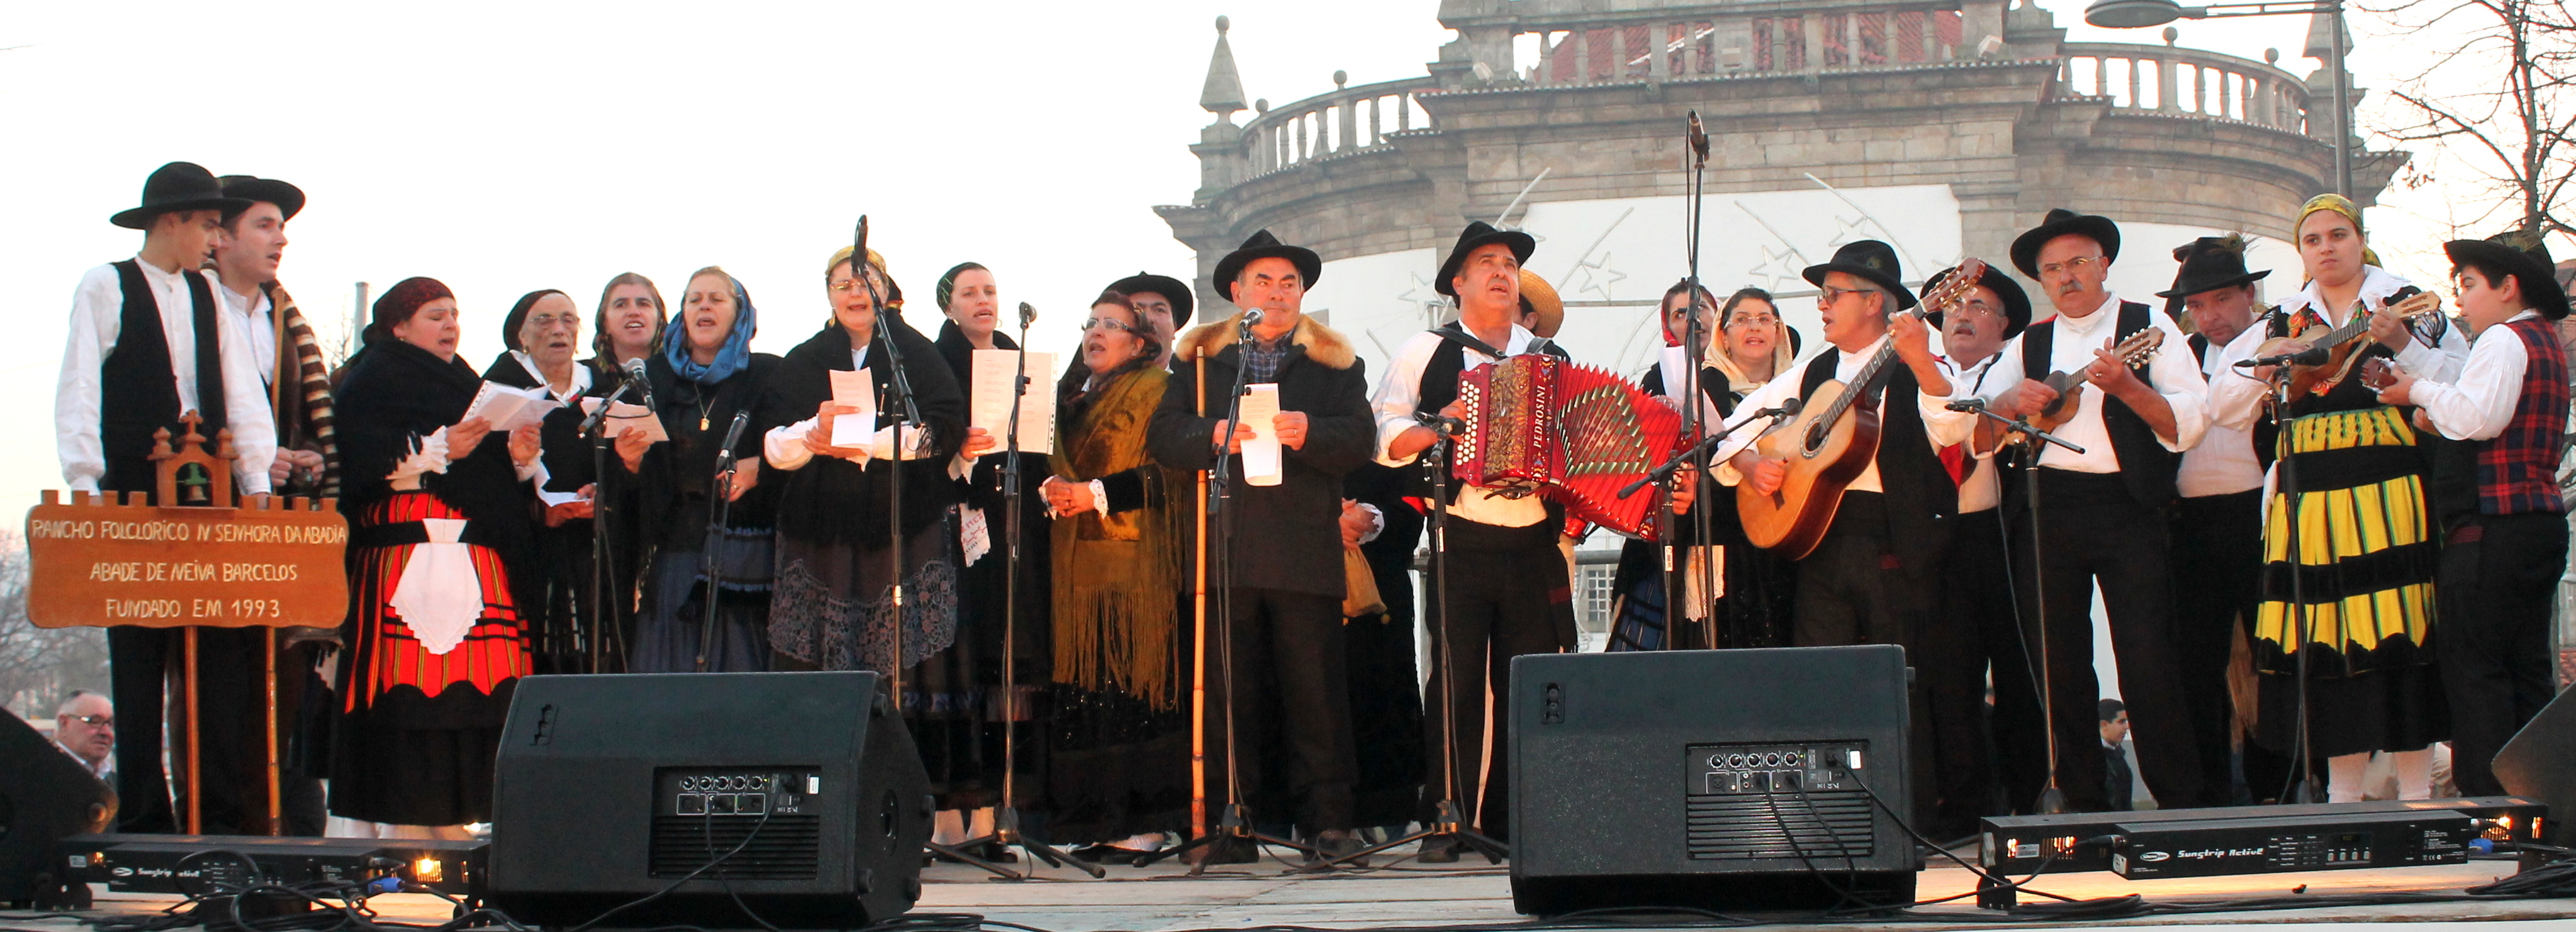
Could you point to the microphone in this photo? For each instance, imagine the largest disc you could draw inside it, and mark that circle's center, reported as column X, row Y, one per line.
column 1444, row 426
column 860, row 256
column 644, row 386
column 1028, row 315
column 1251, row 316
column 1698, row 137
column 2312, row 356
column 1788, row 408
column 1967, row 404
column 733, row 434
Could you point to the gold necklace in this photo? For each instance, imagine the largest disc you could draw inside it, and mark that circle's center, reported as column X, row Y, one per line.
column 705, row 407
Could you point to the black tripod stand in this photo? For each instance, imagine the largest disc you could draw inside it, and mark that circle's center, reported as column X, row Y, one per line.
column 1006, row 816
column 1448, row 822
column 606, row 643
column 1235, row 840
column 719, row 514
column 2303, row 782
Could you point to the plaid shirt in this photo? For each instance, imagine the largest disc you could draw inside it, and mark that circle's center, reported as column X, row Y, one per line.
column 1264, row 357
column 2518, row 470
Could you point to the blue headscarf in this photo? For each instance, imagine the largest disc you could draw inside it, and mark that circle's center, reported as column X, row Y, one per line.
column 730, row 358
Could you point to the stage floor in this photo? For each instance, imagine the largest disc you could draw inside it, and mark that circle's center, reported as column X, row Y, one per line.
column 1164, row 899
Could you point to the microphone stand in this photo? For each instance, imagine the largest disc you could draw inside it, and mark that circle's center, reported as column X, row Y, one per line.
column 2052, row 800
column 719, row 514
column 1234, row 831
column 901, row 410
column 1665, row 471
column 1676, row 591
column 2303, row 784
column 1006, row 817
column 604, row 621
column 1448, row 821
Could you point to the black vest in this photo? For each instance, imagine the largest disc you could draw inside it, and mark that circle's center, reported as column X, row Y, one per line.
column 1920, row 496
column 2144, row 462
column 138, row 393
column 1439, row 387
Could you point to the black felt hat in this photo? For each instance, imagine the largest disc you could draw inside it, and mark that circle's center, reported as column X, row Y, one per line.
column 177, row 186
column 1170, row 288
column 1872, row 261
column 2211, row 263
column 1262, row 245
column 2016, row 301
column 288, row 198
column 2060, row 222
column 2523, row 254
column 1480, row 233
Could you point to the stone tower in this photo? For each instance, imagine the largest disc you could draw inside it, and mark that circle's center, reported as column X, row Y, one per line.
column 1943, row 126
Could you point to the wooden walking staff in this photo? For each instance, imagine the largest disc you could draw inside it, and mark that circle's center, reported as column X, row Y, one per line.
column 279, row 372
column 189, row 559
column 1198, row 628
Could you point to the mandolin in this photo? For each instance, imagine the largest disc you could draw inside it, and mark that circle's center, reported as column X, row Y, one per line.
column 1832, row 442
column 2343, row 350
column 2135, row 351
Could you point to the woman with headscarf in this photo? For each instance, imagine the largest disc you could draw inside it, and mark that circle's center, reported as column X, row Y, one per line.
column 705, row 376
column 542, row 332
column 972, row 307
column 835, row 607
column 1745, row 345
column 1118, row 771
column 2368, row 556
column 439, row 563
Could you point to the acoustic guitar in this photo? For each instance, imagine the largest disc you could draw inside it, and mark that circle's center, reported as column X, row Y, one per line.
column 1832, row 442
column 2342, row 349
column 2137, row 350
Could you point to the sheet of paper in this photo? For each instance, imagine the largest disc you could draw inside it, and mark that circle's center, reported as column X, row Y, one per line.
column 509, row 408
column 854, row 390
column 626, row 418
column 994, row 370
column 1261, row 453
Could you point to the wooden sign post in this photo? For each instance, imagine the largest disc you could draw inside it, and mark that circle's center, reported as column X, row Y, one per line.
column 209, row 561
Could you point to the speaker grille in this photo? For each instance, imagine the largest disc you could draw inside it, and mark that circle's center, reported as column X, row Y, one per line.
column 789, row 847
column 1821, row 824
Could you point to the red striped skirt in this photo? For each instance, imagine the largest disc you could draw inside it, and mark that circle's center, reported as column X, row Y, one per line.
column 388, row 656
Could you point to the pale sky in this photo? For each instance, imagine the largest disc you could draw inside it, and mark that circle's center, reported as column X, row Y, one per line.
column 503, row 148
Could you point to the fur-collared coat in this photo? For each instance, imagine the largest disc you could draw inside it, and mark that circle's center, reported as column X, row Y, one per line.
column 1291, row 532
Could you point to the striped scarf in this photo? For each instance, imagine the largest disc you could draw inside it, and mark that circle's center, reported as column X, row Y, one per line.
column 304, row 406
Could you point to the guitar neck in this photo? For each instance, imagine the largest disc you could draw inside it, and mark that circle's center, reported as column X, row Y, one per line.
column 1868, row 375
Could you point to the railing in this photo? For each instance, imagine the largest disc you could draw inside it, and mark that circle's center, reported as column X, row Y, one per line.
column 1650, row 51
column 1346, row 119
column 2173, row 80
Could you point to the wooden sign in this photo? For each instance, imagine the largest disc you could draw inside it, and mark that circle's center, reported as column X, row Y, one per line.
column 269, row 563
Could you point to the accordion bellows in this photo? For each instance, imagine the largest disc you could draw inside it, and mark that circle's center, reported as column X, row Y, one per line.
column 1538, row 424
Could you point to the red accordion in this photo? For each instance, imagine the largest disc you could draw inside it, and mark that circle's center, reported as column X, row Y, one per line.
column 1536, row 423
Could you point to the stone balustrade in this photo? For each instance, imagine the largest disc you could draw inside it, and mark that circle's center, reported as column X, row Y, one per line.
column 1347, row 119
column 1661, row 50
column 2185, row 82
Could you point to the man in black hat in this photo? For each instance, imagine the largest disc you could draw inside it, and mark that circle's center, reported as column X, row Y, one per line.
column 1285, row 549
column 1507, row 586
column 1164, row 303
column 2217, row 524
column 1977, row 630
column 2103, row 510
column 148, row 344
column 1873, row 578
column 2505, row 540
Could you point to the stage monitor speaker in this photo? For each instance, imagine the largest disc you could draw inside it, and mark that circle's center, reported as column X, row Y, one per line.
column 2540, row 764
column 45, row 797
column 1711, row 779
column 609, row 789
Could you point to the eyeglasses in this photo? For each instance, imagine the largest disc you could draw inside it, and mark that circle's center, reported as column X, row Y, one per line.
column 1107, row 323
column 1828, row 294
column 94, row 721
column 548, row 321
column 2070, row 265
column 846, row 286
column 1975, row 307
column 1754, row 320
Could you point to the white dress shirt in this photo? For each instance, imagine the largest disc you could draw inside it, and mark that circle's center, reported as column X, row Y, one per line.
column 2235, row 397
column 2172, row 374
column 2224, row 463
column 97, row 319
column 1399, row 394
column 2480, row 405
column 1941, row 425
column 1983, row 488
column 256, row 318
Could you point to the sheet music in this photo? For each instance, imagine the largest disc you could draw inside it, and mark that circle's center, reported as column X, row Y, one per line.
column 993, row 372
column 1261, row 453
column 626, row 418
column 507, row 409
column 854, row 390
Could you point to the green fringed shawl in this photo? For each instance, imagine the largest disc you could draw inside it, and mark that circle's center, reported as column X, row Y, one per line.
column 1117, row 577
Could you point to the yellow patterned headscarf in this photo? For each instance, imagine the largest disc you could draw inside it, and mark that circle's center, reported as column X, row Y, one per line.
column 2339, row 204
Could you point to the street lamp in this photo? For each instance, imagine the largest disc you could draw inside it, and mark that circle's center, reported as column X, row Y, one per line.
column 2139, row 14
